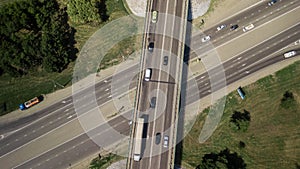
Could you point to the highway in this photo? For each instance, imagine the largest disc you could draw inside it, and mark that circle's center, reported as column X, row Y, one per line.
column 164, row 84
column 59, row 113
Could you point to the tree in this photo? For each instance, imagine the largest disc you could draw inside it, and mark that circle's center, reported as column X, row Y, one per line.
column 288, row 100
column 223, row 160
column 84, row 11
column 240, row 121
column 34, row 33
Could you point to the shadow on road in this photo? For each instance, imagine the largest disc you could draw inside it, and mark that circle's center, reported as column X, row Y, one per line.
column 183, row 95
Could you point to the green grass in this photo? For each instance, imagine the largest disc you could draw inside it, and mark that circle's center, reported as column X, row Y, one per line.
column 14, row 91
column 213, row 4
column 273, row 137
column 105, row 161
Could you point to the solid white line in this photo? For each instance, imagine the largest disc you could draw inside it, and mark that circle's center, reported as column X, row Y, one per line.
column 259, row 42
column 63, row 143
column 241, row 11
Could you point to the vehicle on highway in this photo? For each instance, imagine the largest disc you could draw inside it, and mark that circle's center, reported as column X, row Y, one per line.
column 151, row 46
column 153, row 102
column 241, row 92
column 148, row 74
column 205, row 39
column 154, row 16
column 289, row 54
column 166, row 141
column 157, row 138
column 166, row 59
column 221, row 27
column 29, row 103
column 248, row 27
column 138, row 139
column 234, row 27
column 272, row 2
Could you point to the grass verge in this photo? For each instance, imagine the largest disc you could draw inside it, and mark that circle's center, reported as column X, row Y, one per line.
column 105, row 161
column 273, row 137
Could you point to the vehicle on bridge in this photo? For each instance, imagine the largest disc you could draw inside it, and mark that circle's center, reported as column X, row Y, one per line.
column 205, row 39
column 154, row 16
column 29, row 103
column 138, row 139
column 148, row 74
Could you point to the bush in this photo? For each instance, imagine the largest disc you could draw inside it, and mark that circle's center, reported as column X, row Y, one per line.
column 288, row 100
column 240, row 121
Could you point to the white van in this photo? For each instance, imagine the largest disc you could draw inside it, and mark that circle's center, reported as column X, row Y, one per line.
column 148, row 74
column 248, row 27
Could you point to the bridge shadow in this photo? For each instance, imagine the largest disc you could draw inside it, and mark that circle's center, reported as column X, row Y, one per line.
column 183, row 94
column 161, row 81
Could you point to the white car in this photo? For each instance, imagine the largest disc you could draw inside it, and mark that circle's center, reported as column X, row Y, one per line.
column 248, row 27
column 166, row 141
column 221, row 27
column 205, row 39
column 154, row 16
column 289, row 54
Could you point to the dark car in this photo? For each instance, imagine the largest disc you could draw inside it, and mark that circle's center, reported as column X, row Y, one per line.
column 166, row 60
column 151, row 46
column 153, row 102
column 272, row 2
column 234, row 27
column 157, row 138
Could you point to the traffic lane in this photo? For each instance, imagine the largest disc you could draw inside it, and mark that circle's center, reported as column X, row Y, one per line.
column 164, row 163
column 22, row 122
column 204, row 91
column 219, row 37
column 149, row 116
column 161, row 111
column 63, row 156
column 24, row 136
column 253, row 55
column 101, row 134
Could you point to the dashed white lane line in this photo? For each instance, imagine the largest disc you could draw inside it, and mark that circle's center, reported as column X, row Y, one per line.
column 69, row 117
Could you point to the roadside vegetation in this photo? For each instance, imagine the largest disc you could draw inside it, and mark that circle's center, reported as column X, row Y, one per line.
column 105, row 161
column 35, row 66
column 261, row 131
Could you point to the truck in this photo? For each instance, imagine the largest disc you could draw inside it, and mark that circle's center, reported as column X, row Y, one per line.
column 29, row 103
column 138, row 139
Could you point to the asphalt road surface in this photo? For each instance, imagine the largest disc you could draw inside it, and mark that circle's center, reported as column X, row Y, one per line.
column 163, row 85
column 62, row 112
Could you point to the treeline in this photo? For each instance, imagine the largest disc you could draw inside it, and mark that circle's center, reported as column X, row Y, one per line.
column 34, row 35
